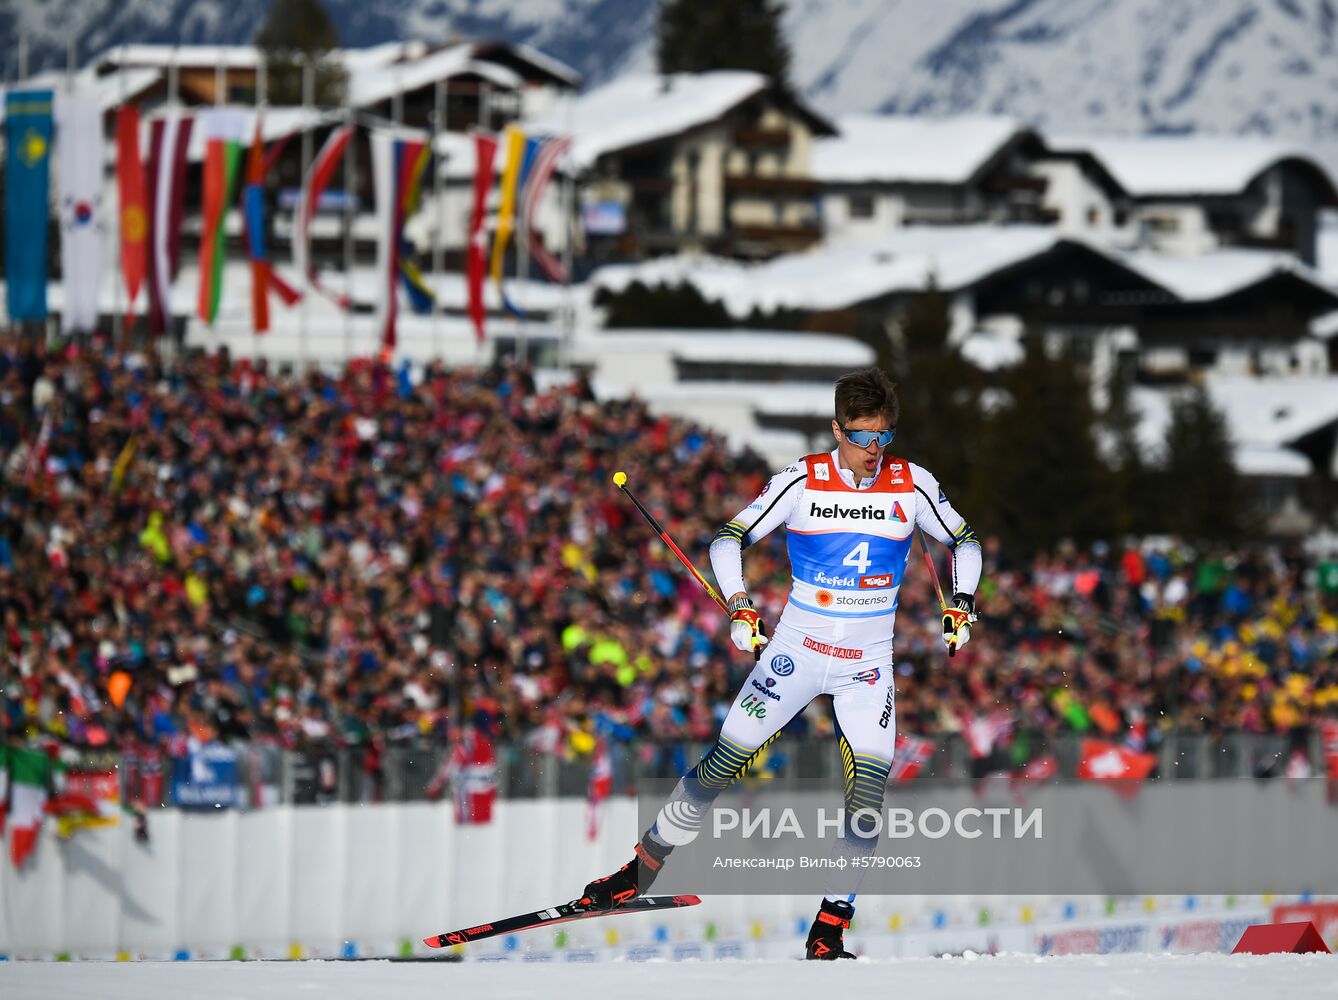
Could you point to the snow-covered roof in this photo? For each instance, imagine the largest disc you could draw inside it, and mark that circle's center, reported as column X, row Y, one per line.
column 989, row 352
column 1178, row 166
column 544, row 61
column 635, row 109
column 910, row 150
column 1325, row 327
column 1263, row 415
column 381, row 82
column 1274, row 411
column 776, row 347
column 106, row 91
column 163, row 56
column 836, row 277
column 1209, row 276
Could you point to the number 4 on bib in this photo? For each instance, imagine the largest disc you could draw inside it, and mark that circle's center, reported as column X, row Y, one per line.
column 858, row 558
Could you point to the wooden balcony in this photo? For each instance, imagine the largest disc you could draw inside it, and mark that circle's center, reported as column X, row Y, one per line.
column 801, row 187
column 771, row 138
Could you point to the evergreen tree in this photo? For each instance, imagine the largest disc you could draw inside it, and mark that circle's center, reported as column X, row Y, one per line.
column 294, row 32
column 939, row 391
column 1038, row 477
column 1133, row 479
column 695, row 36
column 670, row 306
column 1200, row 489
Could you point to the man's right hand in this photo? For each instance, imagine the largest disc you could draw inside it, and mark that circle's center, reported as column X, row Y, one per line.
column 745, row 625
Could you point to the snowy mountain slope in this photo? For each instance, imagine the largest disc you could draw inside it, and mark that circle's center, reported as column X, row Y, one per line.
column 1264, row 67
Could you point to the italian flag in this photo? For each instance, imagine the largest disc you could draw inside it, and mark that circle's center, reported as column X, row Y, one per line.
column 28, row 773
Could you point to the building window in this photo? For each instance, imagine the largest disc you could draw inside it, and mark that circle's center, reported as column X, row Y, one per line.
column 1159, row 224
column 861, row 206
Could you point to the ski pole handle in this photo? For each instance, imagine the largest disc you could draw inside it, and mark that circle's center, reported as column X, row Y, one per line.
column 933, row 575
column 620, row 481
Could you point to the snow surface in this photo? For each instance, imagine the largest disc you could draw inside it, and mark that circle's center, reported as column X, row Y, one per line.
column 906, row 150
column 968, row 977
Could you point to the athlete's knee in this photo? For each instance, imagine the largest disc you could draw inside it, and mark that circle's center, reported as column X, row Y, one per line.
column 866, row 781
column 722, row 765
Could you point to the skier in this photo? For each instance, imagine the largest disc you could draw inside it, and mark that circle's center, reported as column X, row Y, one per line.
column 850, row 514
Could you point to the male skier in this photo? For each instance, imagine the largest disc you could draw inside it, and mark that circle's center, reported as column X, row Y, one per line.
column 850, row 514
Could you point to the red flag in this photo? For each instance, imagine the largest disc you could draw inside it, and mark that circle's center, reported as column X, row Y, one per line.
column 601, row 787
column 166, row 188
column 909, row 757
column 41, row 450
column 1038, row 770
column 983, row 732
column 1105, row 761
column 485, row 149
column 313, row 186
column 134, row 209
column 1328, row 735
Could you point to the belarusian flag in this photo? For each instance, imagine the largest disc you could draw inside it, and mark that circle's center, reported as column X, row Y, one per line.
column 29, row 776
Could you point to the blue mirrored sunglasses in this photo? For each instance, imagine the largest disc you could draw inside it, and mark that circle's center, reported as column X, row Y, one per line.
column 862, row 439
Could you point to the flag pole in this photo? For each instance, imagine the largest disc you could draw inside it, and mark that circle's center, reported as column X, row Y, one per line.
column 522, row 274
column 262, row 100
column 349, row 188
column 439, row 129
column 308, row 98
column 118, row 321
column 568, row 230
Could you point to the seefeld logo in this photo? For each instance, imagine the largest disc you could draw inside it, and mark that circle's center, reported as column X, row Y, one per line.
column 869, row 513
column 827, row 580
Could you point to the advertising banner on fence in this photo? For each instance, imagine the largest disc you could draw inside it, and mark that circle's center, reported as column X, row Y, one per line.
column 207, row 777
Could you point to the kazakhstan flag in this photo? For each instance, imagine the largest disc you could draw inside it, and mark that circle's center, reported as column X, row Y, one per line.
column 27, row 172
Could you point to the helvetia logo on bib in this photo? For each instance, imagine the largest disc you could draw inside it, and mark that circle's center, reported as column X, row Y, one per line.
column 867, row 513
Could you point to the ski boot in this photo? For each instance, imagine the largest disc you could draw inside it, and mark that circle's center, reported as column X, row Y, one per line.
column 824, row 937
column 629, row 881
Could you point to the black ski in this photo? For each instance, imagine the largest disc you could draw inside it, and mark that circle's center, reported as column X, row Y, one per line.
column 556, row 915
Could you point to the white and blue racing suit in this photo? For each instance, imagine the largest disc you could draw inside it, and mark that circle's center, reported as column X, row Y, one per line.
column 849, row 544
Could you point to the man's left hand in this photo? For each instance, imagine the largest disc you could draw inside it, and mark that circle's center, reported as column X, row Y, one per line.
column 957, row 619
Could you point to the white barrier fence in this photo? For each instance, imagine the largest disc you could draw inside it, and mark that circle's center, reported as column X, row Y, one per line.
column 374, row 880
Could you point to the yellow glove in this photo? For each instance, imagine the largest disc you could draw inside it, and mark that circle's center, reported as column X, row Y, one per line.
column 957, row 620
column 745, row 626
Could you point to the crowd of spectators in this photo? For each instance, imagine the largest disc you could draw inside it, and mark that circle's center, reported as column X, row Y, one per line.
column 376, row 557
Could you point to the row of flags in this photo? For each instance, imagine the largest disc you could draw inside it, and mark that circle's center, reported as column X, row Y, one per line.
column 531, row 161
column 151, row 195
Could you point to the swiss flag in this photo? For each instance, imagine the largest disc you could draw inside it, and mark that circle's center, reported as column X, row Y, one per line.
column 1104, row 761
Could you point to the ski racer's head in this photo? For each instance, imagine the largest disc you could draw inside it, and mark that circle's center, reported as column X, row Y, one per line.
column 866, row 419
